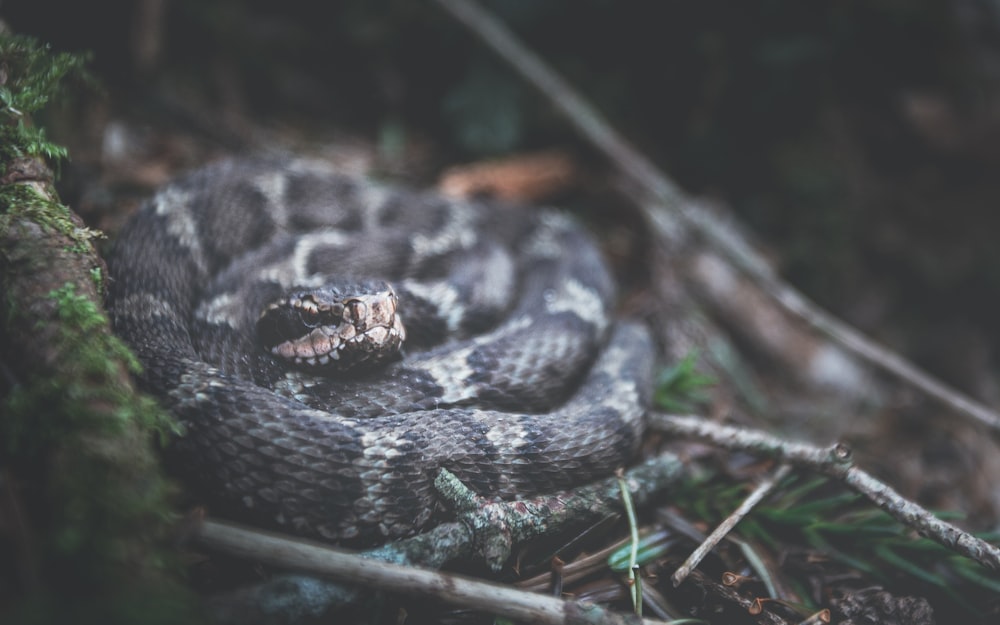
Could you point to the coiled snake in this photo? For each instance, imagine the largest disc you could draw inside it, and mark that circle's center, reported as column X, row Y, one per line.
column 513, row 375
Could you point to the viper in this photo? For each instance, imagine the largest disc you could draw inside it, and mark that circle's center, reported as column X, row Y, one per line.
column 328, row 344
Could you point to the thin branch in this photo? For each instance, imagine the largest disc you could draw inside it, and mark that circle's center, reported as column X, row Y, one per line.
column 456, row 590
column 835, row 462
column 497, row 526
column 668, row 197
column 727, row 525
column 479, row 526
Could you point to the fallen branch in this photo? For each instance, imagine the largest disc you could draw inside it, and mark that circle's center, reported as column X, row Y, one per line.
column 478, row 528
column 836, row 463
column 356, row 569
column 669, row 202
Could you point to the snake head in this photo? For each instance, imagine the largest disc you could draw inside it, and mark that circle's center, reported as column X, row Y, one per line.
column 334, row 328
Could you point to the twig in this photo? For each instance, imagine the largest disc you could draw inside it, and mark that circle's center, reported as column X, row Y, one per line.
column 497, row 526
column 727, row 525
column 642, row 172
column 835, row 462
column 458, row 590
column 478, row 525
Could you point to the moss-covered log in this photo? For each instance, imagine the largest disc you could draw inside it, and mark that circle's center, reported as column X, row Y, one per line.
column 83, row 503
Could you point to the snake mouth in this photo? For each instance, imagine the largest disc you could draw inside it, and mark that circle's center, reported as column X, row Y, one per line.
column 324, row 329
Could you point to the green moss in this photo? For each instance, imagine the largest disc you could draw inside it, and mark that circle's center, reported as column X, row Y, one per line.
column 94, row 357
column 75, row 438
column 87, row 437
column 21, row 201
column 97, row 275
column 34, row 77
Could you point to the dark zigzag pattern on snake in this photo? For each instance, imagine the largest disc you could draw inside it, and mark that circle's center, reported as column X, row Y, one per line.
column 517, row 380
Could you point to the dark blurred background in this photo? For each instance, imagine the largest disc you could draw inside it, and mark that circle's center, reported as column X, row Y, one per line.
column 857, row 138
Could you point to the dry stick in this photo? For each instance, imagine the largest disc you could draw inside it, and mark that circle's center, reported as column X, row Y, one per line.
column 458, row 590
column 834, row 462
column 642, row 172
column 476, row 527
column 727, row 525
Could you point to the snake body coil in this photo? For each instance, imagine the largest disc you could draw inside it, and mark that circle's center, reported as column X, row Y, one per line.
column 513, row 375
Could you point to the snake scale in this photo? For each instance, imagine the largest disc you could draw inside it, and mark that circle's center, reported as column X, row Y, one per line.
column 513, row 376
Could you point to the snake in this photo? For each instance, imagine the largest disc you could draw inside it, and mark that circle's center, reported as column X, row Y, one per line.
column 329, row 343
